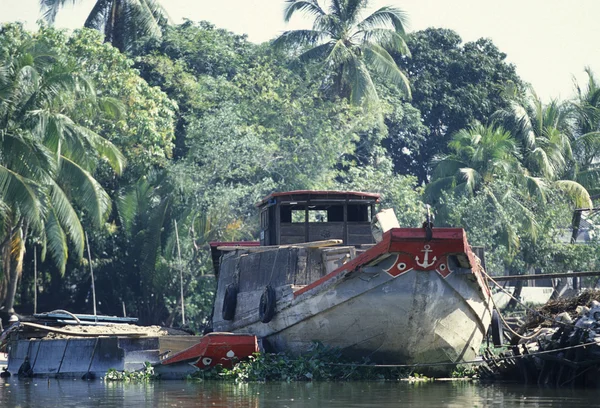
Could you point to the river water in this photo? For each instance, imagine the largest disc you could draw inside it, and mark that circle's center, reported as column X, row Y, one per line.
column 78, row 393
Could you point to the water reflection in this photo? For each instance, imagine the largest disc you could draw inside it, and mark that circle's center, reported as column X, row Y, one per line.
column 77, row 393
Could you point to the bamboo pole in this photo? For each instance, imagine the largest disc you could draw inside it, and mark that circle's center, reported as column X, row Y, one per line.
column 35, row 288
column 180, row 275
column 87, row 242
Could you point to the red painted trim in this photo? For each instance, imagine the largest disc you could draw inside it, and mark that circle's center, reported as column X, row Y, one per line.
column 408, row 240
column 357, row 194
column 366, row 257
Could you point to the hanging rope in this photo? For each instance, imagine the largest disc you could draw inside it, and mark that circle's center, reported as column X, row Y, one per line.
column 535, row 312
column 495, row 359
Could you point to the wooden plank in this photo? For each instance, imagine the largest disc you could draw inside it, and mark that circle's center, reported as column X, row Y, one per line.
column 314, row 244
column 82, row 334
column 175, row 344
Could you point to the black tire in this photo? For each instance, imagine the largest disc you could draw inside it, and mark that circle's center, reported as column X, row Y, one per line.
column 229, row 302
column 496, row 328
column 266, row 308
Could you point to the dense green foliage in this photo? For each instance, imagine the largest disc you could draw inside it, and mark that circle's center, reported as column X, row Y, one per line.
column 454, row 85
column 321, row 363
column 209, row 123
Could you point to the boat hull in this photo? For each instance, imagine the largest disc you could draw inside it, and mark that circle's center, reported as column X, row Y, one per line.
column 386, row 305
column 418, row 318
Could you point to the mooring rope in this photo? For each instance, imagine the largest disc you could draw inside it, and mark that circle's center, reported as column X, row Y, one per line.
column 535, row 312
column 505, row 323
column 495, row 359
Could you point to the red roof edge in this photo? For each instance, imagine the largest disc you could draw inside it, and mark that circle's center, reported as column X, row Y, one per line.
column 376, row 196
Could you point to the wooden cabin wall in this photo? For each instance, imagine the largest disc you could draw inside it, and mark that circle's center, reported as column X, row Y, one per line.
column 359, row 233
column 284, row 266
column 275, row 268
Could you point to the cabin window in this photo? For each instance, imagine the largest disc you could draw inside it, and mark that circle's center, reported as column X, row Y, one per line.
column 286, row 213
column 324, row 213
column 359, row 213
column 292, row 214
column 298, row 216
column 317, row 215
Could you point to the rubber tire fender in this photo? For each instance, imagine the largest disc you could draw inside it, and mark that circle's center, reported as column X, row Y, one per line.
column 229, row 302
column 266, row 308
column 496, row 328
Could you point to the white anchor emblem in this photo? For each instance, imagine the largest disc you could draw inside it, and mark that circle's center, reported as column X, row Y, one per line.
column 426, row 263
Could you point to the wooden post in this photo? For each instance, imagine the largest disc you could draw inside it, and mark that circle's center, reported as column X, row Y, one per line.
column 87, row 243
column 34, row 280
column 180, row 275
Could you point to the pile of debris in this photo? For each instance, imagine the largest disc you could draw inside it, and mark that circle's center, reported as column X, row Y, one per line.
column 558, row 345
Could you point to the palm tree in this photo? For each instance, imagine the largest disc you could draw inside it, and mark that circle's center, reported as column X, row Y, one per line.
column 586, row 135
column 348, row 46
column 482, row 156
column 122, row 21
column 547, row 142
column 46, row 160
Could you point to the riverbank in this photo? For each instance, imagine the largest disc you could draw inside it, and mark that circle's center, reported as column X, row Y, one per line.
column 556, row 345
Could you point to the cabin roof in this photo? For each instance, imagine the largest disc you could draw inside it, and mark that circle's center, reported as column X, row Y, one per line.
column 302, row 195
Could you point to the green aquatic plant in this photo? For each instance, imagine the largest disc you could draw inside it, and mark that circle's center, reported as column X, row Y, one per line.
column 145, row 374
column 320, row 363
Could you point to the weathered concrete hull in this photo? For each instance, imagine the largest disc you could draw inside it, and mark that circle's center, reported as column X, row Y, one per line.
column 76, row 357
column 417, row 318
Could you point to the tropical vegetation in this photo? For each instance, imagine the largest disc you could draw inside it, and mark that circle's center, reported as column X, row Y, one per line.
column 153, row 142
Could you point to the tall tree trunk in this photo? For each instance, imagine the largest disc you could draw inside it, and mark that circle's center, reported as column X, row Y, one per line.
column 14, row 262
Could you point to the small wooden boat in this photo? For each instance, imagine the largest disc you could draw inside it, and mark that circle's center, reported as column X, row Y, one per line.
column 415, row 297
column 214, row 349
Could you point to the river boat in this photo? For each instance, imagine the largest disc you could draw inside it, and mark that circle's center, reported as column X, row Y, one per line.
column 319, row 274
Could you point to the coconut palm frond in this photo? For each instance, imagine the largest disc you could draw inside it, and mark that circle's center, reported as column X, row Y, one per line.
column 100, row 13
column 68, row 219
column 24, row 194
column 87, row 191
column 348, row 41
column 447, row 166
column 434, row 190
column 471, row 178
column 50, row 8
column 298, row 38
column 310, row 7
column 384, row 64
column 576, row 192
column 388, row 39
column 536, row 187
column 56, row 241
column 103, row 147
column 362, row 87
column 317, row 53
column 384, row 16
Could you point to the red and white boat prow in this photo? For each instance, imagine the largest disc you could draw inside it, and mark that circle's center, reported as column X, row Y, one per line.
column 216, row 348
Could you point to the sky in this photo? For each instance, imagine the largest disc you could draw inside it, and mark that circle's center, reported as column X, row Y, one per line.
column 549, row 41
